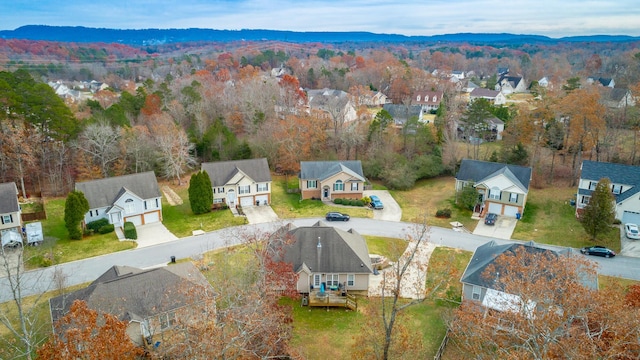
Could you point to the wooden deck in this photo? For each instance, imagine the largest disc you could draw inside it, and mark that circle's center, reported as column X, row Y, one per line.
column 332, row 298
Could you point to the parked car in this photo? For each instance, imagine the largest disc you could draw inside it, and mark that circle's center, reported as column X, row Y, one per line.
column 598, row 251
column 336, row 216
column 490, row 219
column 632, row 231
column 376, row 203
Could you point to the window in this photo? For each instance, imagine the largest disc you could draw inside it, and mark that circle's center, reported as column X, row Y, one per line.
column 513, row 198
column 585, row 200
column 157, row 204
column 354, row 186
column 312, row 184
column 97, row 212
column 435, row 98
column 333, row 279
column 90, row 213
column 592, row 185
column 338, row 186
column 130, row 207
column 494, row 193
column 217, row 201
column 616, row 189
column 262, row 187
column 220, row 190
column 418, row 98
column 145, row 204
column 244, row 189
column 475, row 293
column 316, row 280
column 351, row 280
column 167, row 319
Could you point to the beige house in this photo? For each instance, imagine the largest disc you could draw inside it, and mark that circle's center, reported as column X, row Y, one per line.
column 240, row 182
column 330, row 180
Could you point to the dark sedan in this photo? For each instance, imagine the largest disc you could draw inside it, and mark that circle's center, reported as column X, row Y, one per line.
column 490, row 219
column 598, row 251
column 336, row 216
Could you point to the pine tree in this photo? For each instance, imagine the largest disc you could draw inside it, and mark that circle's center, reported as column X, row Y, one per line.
column 600, row 212
column 200, row 193
column 75, row 207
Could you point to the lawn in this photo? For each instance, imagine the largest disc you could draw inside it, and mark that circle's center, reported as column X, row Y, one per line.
column 58, row 248
column 289, row 206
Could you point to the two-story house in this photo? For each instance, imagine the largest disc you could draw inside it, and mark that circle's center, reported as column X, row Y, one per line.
column 429, row 100
column 331, row 179
column 240, row 182
column 625, row 186
column 10, row 215
column 494, row 97
column 511, row 84
column 331, row 105
column 502, row 188
column 135, row 198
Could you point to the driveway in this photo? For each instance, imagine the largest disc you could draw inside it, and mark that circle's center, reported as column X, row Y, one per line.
column 153, row 234
column 391, row 211
column 628, row 247
column 259, row 214
column 503, row 229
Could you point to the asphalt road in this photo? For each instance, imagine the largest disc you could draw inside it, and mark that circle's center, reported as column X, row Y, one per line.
column 87, row 270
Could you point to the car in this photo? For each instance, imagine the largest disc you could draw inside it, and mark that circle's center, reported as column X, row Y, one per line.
column 490, row 219
column 632, row 231
column 598, row 251
column 376, row 203
column 336, row 216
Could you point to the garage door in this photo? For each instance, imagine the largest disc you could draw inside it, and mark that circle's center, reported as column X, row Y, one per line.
column 153, row 217
column 136, row 220
column 510, row 211
column 246, row 201
column 631, row 217
column 495, row 208
column 263, row 199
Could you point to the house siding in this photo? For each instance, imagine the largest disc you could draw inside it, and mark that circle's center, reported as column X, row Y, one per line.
column 361, row 281
column 16, row 221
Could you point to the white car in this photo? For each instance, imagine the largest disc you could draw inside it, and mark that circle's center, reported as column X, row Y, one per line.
column 632, row 231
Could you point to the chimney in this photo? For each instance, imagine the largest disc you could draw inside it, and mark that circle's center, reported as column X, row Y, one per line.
column 319, row 254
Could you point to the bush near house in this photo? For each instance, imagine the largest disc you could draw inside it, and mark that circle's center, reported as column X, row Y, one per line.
column 349, row 202
column 130, row 231
column 106, row 229
column 96, row 225
column 443, row 213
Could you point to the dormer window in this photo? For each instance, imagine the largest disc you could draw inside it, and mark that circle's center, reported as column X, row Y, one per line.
column 616, row 189
column 418, row 98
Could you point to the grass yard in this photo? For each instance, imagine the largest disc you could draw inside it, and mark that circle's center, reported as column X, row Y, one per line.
column 58, row 248
column 289, row 206
column 390, row 248
column 181, row 221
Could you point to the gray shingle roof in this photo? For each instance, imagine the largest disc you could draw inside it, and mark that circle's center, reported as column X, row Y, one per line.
column 222, row 171
column 131, row 293
column 401, row 113
column 341, row 251
column 478, row 171
column 321, row 170
column 482, row 92
column 8, row 198
column 104, row 192
column 617, row 173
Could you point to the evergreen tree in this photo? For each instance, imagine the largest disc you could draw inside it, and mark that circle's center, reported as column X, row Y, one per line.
column 467, row 198
column 600, row 212
column 75, row 207
column 200, row 193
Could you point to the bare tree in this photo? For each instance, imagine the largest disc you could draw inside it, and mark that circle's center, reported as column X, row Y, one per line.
column 175, row 149
column 100, row 141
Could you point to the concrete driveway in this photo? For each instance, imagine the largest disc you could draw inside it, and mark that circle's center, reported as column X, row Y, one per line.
column 503, row 229
column 391, row 211
column 628, row 247
column 153, row 234
column 259, row 214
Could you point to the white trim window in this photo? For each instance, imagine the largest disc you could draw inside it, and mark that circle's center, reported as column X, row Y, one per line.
column 130, row 207
column 616, row 189
column 592, row 185
column 263, row 187
column 354, row 186
column 585, row 200
column 312, row 184
column 7, row 219
column 513, row 198
column 333, row 279
column 246, row 189
column 338, row 186
column 220, row 190
column 351, row 279
column 217, row 201
column 475, row 292
column 494, row 193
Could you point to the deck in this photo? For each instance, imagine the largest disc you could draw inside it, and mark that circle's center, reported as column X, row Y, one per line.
column 332, row 298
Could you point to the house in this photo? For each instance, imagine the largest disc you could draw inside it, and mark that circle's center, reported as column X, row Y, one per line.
column 331, row 105
column 491, row 132
column 402, row 113
column 496, row 126
column 608, row 82
column 457, row 75
column 544, row 82
column 10, row 215
column 331, row 179
column 151, row 301
column 370, row 98
column 502, row 189
column 135, row 198
column 429, row 100
column 322, row 254
column 495, row 97
column 240, row 182
column 482, row 287
column 617, row 98
column 511, row 84
column 625, row 186
column 470, row 86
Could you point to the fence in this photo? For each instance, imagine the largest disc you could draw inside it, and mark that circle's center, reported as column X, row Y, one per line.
column 40, row 215
column 443, row 345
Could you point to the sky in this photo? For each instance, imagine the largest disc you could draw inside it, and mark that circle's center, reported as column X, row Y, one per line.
column 553, row 18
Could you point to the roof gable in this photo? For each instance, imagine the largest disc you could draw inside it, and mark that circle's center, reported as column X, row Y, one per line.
column 222, row 171
column 8, row 198
column 324, row 169
column 479, row 171
column 104, row 192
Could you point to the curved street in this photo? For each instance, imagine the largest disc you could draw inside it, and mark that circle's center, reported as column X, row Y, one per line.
column 87, row 270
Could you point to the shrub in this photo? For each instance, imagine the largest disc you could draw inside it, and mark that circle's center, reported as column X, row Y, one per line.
column 106, row 229
column 360, row 203
column 96, row 225
column 130, row 231
column 443, row 213
column 617, row 222
column 366, row 199
column 338, row 201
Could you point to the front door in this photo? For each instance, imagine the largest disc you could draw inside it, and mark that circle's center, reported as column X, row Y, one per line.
column 231, row 198
column 325, row 193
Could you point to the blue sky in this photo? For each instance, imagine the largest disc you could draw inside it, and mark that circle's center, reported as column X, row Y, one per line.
column 554, row 18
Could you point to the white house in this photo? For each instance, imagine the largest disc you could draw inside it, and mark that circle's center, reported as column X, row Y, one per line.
column 240, row 182
column 10, row 215
column 493, row 96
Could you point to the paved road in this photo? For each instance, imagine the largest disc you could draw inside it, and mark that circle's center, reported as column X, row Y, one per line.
column 87, row 270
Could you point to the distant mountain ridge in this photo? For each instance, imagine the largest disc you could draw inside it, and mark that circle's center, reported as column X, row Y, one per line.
column 81, row 34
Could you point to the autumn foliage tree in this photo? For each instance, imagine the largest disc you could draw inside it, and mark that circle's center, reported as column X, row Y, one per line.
column 85, row 334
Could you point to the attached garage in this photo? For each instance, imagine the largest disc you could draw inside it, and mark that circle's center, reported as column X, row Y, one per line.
column 510, row 211
column 136, row 220
column 495, row 208
column 631, row 217
column 152, row 217
column 246, row 201
column 263, row 199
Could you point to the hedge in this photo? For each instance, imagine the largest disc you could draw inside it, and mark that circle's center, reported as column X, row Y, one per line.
column 107, row 229
column 130, row 231
column 96, row 225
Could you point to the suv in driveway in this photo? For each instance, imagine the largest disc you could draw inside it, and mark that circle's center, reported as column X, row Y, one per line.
column 376, row 203
column 490, row 219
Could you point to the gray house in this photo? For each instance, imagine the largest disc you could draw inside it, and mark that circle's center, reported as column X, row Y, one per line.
column 402, row 113
column 10, row 218
column 243, row 182
column 324, row 254
column 135, row 198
